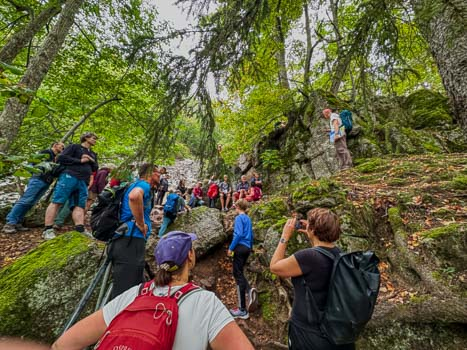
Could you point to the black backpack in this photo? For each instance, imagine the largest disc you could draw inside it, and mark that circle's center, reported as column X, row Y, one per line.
column 105, row 217
column 351, row 299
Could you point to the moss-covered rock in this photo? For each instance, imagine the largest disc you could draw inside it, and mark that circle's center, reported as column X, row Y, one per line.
column 39, row 291
column 410, row 336
column 427, row 109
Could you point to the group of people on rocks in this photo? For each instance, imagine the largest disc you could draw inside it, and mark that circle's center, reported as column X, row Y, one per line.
column 203, row 321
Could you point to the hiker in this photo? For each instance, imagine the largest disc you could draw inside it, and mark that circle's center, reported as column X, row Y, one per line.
column 338, row 137
column 98, row 184
column 182, row 187
column 322, row 230
column 242, row 189
column 127, row 249
column 254, row 194
column 213, row 191
column 225, row 191
column 37, row 186
column 196, row 195
column 203, row 321
column 163, row 187
column 72, row 184
column 173, row 204
column 256, row 180
column 240, row 249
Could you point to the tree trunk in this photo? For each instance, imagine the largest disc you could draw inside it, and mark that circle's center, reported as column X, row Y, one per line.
column 20, row 39
column 443, row 24
column 15, row 111
column 280, row 55
column 85, row 117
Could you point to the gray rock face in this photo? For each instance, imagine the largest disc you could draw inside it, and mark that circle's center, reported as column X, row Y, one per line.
column 244, row 163
column 39, row 291
column 205, row 222
column 270, row 242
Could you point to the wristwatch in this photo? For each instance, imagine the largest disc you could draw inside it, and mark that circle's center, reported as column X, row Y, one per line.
column 283, row 240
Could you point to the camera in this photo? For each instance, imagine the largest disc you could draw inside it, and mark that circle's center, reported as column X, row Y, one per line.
column 299, row 225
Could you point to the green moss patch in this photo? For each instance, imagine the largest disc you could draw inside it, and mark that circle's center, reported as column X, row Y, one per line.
column 268, row 307
column 440, row 232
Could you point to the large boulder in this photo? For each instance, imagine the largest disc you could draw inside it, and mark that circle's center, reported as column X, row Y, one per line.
column 205, row 222
column 39, row 291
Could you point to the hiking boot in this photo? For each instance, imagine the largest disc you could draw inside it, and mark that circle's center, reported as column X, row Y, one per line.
column 238, row 313
column 48, row 234
column 252, row 300
column 9, row 228
column 20, row 227
column 57, row 227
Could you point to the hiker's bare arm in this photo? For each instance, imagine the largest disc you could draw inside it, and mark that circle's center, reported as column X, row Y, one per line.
column 231, row 337
column 86, row 332
column 280, row 265
column 137, row 208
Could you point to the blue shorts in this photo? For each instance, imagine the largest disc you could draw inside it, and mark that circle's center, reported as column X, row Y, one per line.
column 70, row 188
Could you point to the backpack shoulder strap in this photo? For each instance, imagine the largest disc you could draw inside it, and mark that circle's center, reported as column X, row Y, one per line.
column 325, row 252
column 180, row 294
column 145, row 288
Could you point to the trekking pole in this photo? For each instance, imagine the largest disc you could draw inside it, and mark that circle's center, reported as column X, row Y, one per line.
column 103, row 286
column 87, row 295
column 106, row 296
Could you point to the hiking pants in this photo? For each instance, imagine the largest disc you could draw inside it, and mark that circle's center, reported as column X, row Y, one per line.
column 166, row 221
column 160, row 197
column 241, row 254
column 311, row 338
column 35, row 190
column 127, row 257
column 342, row 153
column 212, row 202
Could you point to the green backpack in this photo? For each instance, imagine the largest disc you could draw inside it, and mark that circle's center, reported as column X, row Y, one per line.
column 352, row 293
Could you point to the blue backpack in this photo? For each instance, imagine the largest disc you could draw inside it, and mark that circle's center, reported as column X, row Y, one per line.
column 347, row 121
column 170, row 205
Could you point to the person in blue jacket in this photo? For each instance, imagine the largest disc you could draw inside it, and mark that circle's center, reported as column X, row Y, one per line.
column 240, row 249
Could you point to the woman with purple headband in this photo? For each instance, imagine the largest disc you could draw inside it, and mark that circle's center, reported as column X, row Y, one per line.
column 203, row 321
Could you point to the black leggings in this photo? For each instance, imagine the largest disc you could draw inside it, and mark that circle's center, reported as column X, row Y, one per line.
column 241, row 254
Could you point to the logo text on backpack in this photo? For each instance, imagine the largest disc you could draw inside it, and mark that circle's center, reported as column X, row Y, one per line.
column 121, row 347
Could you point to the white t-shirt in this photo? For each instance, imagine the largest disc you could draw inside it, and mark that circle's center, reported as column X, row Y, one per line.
column 335, row 116
column 201, row 316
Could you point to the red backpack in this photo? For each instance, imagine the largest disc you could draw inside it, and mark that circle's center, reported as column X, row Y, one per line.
column 213, row 190
column 148, row 323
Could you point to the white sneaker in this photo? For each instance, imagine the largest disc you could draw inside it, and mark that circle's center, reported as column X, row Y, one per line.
column 252, row 300
column 48, row 234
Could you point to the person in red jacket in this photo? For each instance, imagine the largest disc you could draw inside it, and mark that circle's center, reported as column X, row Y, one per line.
column 196, row 199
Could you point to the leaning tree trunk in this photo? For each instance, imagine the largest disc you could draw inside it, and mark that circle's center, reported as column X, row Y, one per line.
column 443, row 23
column 21, row 38
column 15, row 111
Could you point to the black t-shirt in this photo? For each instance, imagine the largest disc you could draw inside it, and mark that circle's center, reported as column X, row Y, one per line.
column 317, row 269
column 71, row 158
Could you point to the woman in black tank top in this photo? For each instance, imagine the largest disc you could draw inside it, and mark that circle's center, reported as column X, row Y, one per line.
column 310, row 267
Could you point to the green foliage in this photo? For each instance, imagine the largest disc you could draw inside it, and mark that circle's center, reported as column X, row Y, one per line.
column 272, row 159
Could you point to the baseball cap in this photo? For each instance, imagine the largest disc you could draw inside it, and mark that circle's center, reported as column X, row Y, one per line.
column 173, row 247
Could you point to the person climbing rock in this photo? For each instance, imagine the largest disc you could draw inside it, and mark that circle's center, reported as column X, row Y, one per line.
column 339, row 138
column 240, row 250
column 173, row 204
